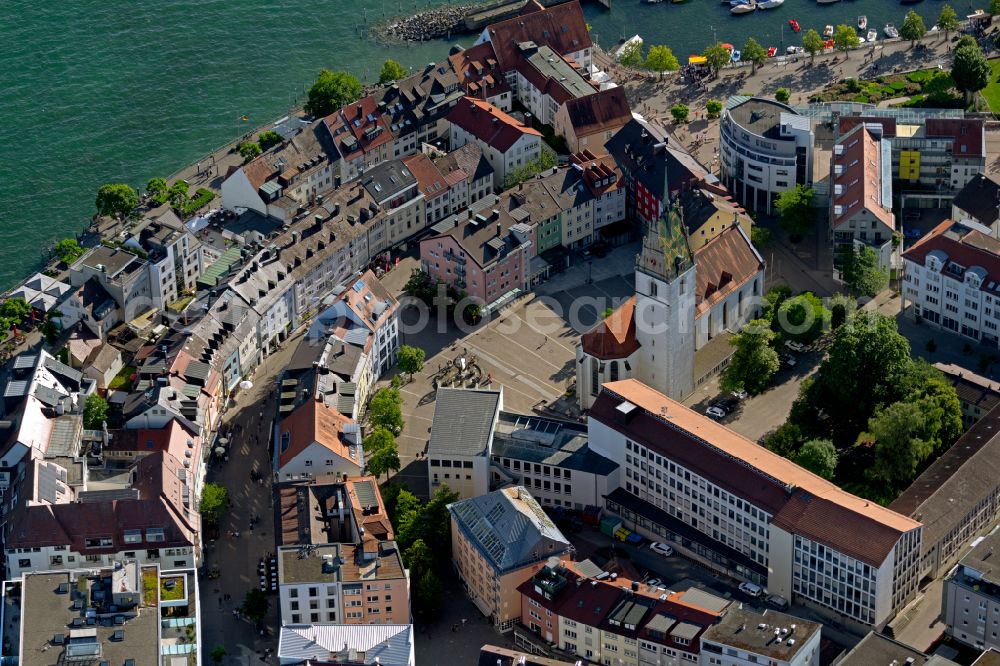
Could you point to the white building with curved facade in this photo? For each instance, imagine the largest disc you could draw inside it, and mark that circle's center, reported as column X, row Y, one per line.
column 766, row 148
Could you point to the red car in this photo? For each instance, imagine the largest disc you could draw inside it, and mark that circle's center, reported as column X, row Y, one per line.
column 794, row 24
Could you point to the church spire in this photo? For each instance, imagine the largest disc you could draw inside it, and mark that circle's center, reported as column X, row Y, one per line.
column 665, row 251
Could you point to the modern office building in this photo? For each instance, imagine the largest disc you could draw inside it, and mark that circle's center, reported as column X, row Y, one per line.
column 766, row 148
column 744, row 637
column 736, row 507
column 970, row 599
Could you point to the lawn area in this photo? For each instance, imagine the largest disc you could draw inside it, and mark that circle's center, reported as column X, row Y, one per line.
column 932, row 88
column 172, row 588
column 991, row 93
column 149, row 585
column 181, row 303
column 123, row 380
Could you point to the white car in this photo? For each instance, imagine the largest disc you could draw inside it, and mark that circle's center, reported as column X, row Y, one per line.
column 795, row 346
column 715, row 412
column 654, row 582
column 751, row 589
column 661, row 548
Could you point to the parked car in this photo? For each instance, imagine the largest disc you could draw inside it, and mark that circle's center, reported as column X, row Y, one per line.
column 795, row 346
column 740, row 394
column 786, row 361
column 726, row 404
column 715, row 412
column 751, row 589
column 661, row 548
column 654, row 582
column 777, row 601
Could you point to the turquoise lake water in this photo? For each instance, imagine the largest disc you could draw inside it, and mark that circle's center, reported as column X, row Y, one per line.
column 95, row 91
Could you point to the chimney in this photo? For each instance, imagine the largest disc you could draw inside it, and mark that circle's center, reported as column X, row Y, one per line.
column 361, row 111
column 499, row 229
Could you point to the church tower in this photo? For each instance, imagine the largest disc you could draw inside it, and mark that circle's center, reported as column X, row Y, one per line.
column 665, row 306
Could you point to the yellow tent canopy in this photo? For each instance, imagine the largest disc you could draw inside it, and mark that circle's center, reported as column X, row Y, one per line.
column 697, row 60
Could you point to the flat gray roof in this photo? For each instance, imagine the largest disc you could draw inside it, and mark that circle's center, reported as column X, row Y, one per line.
column 760, row 116
column 111, row 258
column 463, row 420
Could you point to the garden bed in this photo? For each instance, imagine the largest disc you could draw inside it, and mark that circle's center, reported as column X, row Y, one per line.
column 172, row 588
column 932, row 88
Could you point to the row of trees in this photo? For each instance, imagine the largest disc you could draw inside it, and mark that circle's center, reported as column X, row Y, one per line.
column 659, row 58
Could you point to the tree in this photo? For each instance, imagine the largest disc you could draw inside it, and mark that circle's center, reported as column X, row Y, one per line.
column 795, row 214
column 546, row 160
column 249, row 150
column 994, row 7
column 754, row 362
column 900, row 448
column 812, row 43
column 68, row 250
column 378, row 438
column 661, row 59
column 214, row 502
column 714, row 108
column 217, row 654
column 760, row 237
column 391, row 71
column 845, row 38
column 16, row 310
column 842, row 307
column 717, row 56
column 410, row 359
column 802, row 318
column 913, row 27
column 178, row 194
column 420, row 286
column 255, row 605
column 384, row 459
column 95, row 412
column 785, row 441
column 385, row 410
column 427, row 594
column 631, row 55
column 947, row 20
column 418, row 558
column 782, row 95
column 607, row 313
column 269, row 139
column 116, row 200
column 773, row 299
column 331, row 91
column 819, row 456
column 970, row 70
column 156, row 188
column 862, row 272
column 755, row 53
column 680, row 112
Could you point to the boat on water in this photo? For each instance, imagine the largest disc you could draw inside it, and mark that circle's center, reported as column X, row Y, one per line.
column 736, row 55
column 862, row 22
column 890, row 31
column 826, row 2
column 770, row 4
column 828, row 31
column 792, row 50
column 872, row 35
column 772, row 51
column 628, row 44
column 743, row 7
column 794, row 25
column 653, row 2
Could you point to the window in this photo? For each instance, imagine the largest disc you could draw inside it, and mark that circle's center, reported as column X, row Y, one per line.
column 155, row 534
column 133, row 536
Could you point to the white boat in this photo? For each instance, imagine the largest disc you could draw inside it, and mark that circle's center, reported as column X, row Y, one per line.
column 743, row 8
column 826, row 2
column 653, row 2
column 871, row 36
column 770, row 4
column 792, row 50
column 828, row 31
column 890, row 31
column 862, row 22
column 626, row 45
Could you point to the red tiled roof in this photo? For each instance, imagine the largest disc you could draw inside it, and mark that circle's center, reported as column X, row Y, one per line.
column 600, row 112
column 861, row 179
column 478, row 71
column 967, row 132
column 600, row 173
column 725, row 264
column 847, row 123
column 800, row 501
column 613, row 338
column 430, row 182
column 355, row 120
column 313, row 422
column 561, row 27
column 962, row 247
column 489, row 124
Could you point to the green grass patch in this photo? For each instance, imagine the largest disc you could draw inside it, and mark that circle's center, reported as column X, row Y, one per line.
column 864, row 99
column 149, row 586
column 172, row 588
column 123, row 380
column 898, row 85
column 991, row 93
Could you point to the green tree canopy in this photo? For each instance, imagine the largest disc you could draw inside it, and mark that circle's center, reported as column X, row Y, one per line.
column 156, row 188
column 385, row 410
column 802, row 318
column 947, row 20
column 68, row 250
column 754, row 362
column 177, row 195
column 420, row 286
column 631, row 55
column 15, row 309
column 418, row 558
column 255, row 604
column 680, row 112
column 900, row 444
column 782, row 95
column 546, row 160
column 861, row 271
column 714, row 107
column 812, row 43
column 331, row 91
column 269, row 139
column 95, row 412
column 217, row 654
column 819, row 456
column 391, row 71
column 795, row 213
column 214, row 502
column 384, row 459
column 754, row 53
column 410, row 359
column 786, row 440
column 994, row 7
column 760, row 237
column 661, row 59
column 913, row 27
column 845, row 38
column 377, row 439
column 249, row 150
column 116, row 200
column 842, row 307
column 717, row 56
column 970, row 70
column 427, row 595
column 773, row 299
